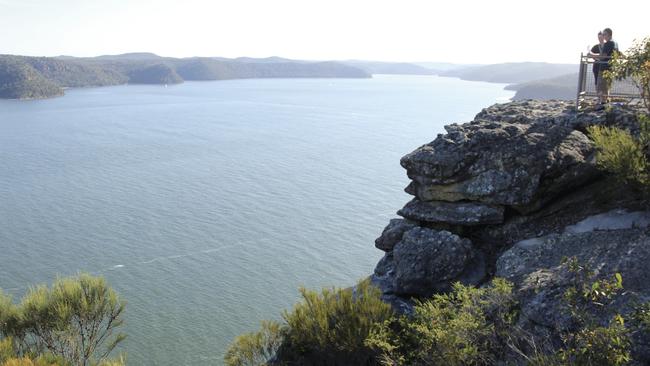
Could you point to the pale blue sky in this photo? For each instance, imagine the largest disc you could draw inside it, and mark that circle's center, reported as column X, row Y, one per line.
column 407, row 30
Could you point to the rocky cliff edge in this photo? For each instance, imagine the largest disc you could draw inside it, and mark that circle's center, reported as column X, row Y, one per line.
column 510, row 194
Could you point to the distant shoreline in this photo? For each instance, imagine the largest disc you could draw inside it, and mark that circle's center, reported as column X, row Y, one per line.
column 23, row 77
column 34, row 78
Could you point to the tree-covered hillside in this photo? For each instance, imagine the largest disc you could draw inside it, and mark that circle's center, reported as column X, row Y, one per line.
column 519, row 72
column 562, row 87
column 75, row 73
column 42, row 77
column 154, row 74
column 19, row 80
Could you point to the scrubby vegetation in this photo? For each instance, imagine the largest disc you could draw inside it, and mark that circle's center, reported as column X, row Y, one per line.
column 467, row 326
column 635, row 63
column 330, row 327
column 74, row 322
column 336, row 322
column 589, row 300
column 255, row 348
column 621, row 153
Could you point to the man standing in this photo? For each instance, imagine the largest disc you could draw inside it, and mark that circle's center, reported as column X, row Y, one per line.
column 596, row 50
column 609, row 47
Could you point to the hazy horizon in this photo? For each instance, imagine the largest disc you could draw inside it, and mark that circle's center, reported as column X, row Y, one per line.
column 282, row 57
column 464, row 32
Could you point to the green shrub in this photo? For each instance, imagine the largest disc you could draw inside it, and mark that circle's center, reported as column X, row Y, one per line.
column 589, row 300
column 11, row 321
column 586, row 297
column 50, row 360
column 634, row 63
column 330, row 326
column 622, row 154
column 642, row 315
column 26, row 361
column 46, row 359
column 598, row 345
column 465, row 327
column 336, row 322
column 253, row 349
column 468, row 326
column 6, row 350
column 74, row 320
column 9, row 357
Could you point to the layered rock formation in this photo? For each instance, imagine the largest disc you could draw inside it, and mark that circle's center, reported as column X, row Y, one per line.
column 506, row 194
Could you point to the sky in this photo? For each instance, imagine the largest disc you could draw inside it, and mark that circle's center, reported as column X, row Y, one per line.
column 459, row 31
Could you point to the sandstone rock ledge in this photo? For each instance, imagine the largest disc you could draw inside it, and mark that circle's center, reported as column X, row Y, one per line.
column 502, row 195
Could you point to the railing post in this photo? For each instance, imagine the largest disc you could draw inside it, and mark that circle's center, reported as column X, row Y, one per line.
column 581, row 80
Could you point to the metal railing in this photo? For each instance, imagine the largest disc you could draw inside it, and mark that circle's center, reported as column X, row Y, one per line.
column 624, row 90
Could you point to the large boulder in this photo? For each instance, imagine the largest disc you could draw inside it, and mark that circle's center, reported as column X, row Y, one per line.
column 428, row 261
column 522, row 155
column 501, row 163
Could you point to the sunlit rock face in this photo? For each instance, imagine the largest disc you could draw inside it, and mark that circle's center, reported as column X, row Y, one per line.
column 509, row 193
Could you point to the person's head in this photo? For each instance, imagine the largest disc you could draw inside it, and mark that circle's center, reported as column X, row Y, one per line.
column 601, row 38
column 607, row 33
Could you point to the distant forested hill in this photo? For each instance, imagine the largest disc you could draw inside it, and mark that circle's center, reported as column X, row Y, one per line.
column 400, row 68
column 75, row 72
column 42, row 77
column 154, row 74
column 218, row 69
column 531, row 80
column 510, row 73
column 561, row 87
column 20, row 80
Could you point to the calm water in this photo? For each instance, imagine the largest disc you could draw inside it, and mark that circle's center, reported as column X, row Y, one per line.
column 206, row 205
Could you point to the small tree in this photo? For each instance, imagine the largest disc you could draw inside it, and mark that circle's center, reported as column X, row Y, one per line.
column 635, row 64
column 75, row 319
column 328, row 327
column 336, row 322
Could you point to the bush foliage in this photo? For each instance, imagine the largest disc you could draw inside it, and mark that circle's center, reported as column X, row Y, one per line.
column 588, row 300
column 635, row 63
column 336, row 320
column 465, row 327
column 252, row 349
column 331, row 326
column 623, row 154
column 74, row 321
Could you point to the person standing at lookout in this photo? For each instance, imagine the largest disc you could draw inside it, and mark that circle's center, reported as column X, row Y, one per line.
column 609, row 47
column 596, row 50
